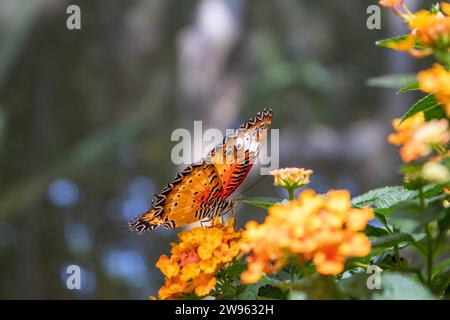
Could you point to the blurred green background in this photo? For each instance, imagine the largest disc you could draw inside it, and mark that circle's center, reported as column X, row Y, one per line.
column 86, row 117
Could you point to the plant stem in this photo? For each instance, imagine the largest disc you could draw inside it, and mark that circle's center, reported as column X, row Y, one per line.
column 429, row 241
column 421, row 198
column 360, row 264
column 429, row 254
column 291, row 193
column 397, row 257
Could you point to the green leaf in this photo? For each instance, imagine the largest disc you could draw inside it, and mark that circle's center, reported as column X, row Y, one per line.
column 387, row 197
column 261, row 202
column 372, row 231
column 426, row 104
column 440, row 267
column 235, row 268
column 383, row 197
column 392, row 286
column 385, row 42
column 392, row 81
column 395, row 239
column 444, row 222
column 409, row 87
column 409, row 216
column 250, row 292
column 431, row 190
column 382, row 218
column 435, row 8
column 435, row 113
column 397, row 286
column 355, row 286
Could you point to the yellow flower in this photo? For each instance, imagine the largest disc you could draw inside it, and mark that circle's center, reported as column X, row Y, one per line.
column 436, row 80
column 321, row 228
column 291, row 178
column 196, row 258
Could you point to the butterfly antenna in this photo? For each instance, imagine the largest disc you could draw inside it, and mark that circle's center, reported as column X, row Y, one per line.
column 251, row 186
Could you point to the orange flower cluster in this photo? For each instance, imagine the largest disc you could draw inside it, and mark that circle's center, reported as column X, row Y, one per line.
column 418, row 137
column 428, row 30
column 436, row 80
column 321, row 228
column 196, row 258
column 291, row 178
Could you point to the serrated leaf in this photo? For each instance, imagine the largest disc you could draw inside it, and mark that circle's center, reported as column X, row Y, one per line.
column 387, row 197
column 392, row 81
column 250, row 292
column 426, row 104
column 235, row 268
column 383, row 197
column 397, row 286
column 409, row 87
column 261, row 202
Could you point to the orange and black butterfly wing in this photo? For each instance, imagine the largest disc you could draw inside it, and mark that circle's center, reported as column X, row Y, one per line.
column 193, row 195
column 201, row 190
column 234, row 158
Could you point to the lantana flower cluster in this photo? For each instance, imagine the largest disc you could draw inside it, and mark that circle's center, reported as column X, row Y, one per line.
column 291, row 178
column 425, row 136
column 429, row 30
column 324, row 229
column 417, row 137
column 436, row 80
column 200, row 253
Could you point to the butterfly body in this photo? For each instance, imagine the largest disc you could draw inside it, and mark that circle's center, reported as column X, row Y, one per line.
column 200, row 192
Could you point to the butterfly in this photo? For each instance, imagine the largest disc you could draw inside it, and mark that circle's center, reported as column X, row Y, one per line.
column 200, row 192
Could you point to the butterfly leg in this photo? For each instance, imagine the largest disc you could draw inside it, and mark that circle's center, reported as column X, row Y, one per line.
column 203, row 223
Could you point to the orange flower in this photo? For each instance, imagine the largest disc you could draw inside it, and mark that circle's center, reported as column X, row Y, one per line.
column 436, row 80
column 445, row 7
column 391, row 3
column 291, row 178
column 431, row 29
column 406, row 129
column 418, row 137
column 196, row 259
column 321, row 228
column 428, row 30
